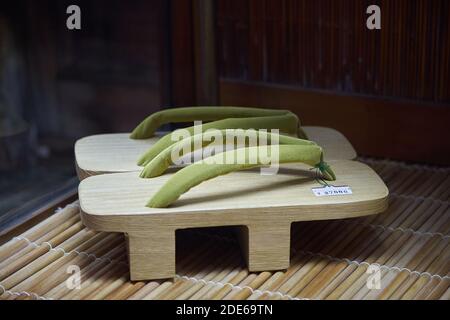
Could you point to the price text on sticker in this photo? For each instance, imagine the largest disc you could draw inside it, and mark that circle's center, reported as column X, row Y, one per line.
column 332, row 191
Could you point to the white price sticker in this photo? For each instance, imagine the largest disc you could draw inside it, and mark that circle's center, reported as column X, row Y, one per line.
column 332, row 191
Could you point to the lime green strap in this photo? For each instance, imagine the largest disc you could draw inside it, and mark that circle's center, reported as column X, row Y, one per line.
column 244, row 138
column 147, row 128
column 194, row 174
column 286, row 123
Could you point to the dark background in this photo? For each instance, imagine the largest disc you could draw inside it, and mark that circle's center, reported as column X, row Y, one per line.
column 387, row 90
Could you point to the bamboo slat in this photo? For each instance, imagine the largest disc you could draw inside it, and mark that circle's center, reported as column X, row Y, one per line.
column 408, row 244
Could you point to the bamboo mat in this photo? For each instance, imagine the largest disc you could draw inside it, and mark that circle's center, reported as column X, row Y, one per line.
column 407, row 247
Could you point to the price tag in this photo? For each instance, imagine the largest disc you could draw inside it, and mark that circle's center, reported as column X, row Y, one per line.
column 332, row 191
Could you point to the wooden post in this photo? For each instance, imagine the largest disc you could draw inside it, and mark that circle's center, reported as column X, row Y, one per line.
column 206, row 77
column 266, row 247
column 151, row 254
column 182, row 54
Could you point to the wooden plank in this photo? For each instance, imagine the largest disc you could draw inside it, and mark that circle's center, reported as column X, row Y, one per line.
column 379, row 127
column 266, row 204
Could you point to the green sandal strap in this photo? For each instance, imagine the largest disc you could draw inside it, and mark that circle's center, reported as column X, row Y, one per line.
column 146, row 129
column 209, row 168
column 158, row 165
column 286, row 123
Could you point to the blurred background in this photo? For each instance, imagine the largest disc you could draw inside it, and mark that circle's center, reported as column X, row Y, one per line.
column 387, row 90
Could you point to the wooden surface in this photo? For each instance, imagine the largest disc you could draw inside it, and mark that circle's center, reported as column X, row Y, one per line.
column 265, row 205
column 377, row 127
column 111, row 153
column 329, row 259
